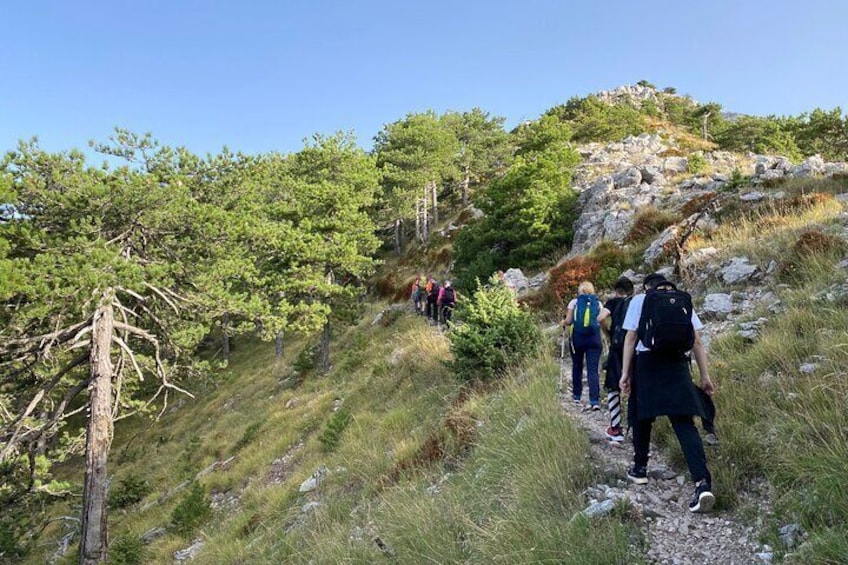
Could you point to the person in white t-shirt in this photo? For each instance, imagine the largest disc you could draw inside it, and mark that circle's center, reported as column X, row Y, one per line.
column 661, row 385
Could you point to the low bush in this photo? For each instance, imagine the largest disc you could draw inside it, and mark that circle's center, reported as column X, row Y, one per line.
column 127, row 549
column 697, row 164
column 495, row 334
column 650, row 222
column 811, row 246
column 250, row 434
column 332, row 433
column 193, row 510
column 612, row 260
column 128, row 491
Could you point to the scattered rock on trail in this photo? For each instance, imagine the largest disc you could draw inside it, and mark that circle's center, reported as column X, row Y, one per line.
column 738, row 270
column 717, row 306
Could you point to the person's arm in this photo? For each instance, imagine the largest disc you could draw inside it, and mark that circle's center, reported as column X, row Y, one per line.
column 701, row 360
column 569, row 317
column 604, row 315
column 627, row 360
column 439, row 297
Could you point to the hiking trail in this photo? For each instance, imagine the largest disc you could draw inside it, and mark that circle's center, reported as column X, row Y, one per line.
column 673, row 535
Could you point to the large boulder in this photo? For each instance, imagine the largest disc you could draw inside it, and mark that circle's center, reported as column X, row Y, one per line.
column 661, row 246
column 652, row 175
column 812, row 166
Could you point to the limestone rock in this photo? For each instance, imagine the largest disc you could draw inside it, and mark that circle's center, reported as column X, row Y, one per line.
column 652, row 175
column 190, row 552
column 660, row 246
column 676, row 165
column 717, row 305
column 627, row 178
column 515, row 279
column 314, row 480
column 738, row 270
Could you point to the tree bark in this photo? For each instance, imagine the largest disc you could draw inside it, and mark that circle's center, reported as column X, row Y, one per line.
column 418, row 219
column 278, row 346
column 325, row 347
column 94, row 540
column 225, row 338
column 466, row 182
column 425, row 218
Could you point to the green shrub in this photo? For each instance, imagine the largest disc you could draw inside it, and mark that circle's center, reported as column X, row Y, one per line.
column 612, row 260
column 697, row 164
column 496, row 333
column 127, row 550
column 249, row 435
column 595, row 120
column 128, row 491
column 192, row 511
column 189, row 460
column 649, row 222
column 334, row 429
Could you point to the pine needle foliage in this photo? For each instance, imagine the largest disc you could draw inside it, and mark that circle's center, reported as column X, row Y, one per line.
column 496, row 333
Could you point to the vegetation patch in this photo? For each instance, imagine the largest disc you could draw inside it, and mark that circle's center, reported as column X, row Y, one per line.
column 192, row 511
column 650, row 222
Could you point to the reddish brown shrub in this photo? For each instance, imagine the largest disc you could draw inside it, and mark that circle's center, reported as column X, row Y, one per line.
column 697, row 204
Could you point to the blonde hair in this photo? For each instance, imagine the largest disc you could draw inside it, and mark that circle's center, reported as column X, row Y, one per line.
column 586, row 288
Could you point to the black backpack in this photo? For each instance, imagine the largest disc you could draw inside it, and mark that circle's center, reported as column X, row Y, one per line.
column 617, row 331
column 449, row 297
column 434, row 291
column 665, row 326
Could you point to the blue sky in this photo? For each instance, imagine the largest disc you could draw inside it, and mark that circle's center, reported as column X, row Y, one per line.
column 262, row 75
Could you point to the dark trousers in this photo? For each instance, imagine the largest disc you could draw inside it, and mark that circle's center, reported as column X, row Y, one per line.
column 687, row 435
column 447, row 314
column 432, row 309
column 586, row 347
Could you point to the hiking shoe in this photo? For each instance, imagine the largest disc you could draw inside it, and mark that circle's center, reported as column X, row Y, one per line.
column 703, row 499
column 577, row 401
column 711, row 439
column 595, row 408
column 638, row 475
column 614, row 434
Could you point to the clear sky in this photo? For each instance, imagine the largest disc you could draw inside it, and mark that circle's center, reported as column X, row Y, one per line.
column 259, row 75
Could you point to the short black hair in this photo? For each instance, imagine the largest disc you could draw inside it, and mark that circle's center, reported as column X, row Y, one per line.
column 654, row 280
column 623, row 285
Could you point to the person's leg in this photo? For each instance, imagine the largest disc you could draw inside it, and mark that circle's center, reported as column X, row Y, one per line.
column 614, row 404
column 448, row 315
column 693, row 449
column 593, row 359
column 642, row 441
column 577, row 354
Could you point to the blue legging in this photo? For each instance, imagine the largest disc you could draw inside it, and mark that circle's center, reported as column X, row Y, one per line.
column 588, row 346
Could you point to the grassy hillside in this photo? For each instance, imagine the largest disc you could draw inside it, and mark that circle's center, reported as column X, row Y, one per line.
column 431, row 469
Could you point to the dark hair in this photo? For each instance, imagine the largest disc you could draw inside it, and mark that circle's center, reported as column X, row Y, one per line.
column 654, row 280
column 624, row 286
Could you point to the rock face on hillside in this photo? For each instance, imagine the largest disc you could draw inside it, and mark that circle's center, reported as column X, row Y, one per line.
column 616, row 180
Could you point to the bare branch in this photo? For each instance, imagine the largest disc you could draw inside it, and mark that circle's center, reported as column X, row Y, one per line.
column 124, row 347
column 163, row 297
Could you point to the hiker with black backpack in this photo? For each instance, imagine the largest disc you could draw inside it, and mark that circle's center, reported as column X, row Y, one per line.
column 615, row 309
column 432, row 297
column 446, row 302
column 662, row 327
column 582, row 315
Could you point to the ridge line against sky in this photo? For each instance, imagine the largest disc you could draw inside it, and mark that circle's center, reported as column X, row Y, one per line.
column 263, row 75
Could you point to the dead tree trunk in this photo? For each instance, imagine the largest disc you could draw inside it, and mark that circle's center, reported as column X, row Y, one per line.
column 325, row 347
column 425, row 217
column 225, row 337
column 278, row 346
column 398, row 237
column 418, row 219
column 435, row 200
column 705, row 118
column 466, row 183
column 94, row 540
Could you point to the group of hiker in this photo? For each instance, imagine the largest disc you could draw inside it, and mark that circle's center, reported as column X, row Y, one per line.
column 651, row 337
column 433, row 300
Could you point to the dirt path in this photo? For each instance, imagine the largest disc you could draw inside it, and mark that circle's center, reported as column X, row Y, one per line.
column 674, row 535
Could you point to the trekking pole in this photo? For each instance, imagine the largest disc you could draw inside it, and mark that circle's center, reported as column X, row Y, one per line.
column 561, row 361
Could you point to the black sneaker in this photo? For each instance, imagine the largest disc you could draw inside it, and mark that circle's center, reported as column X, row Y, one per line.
column 638, row 475
column 703, row 499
